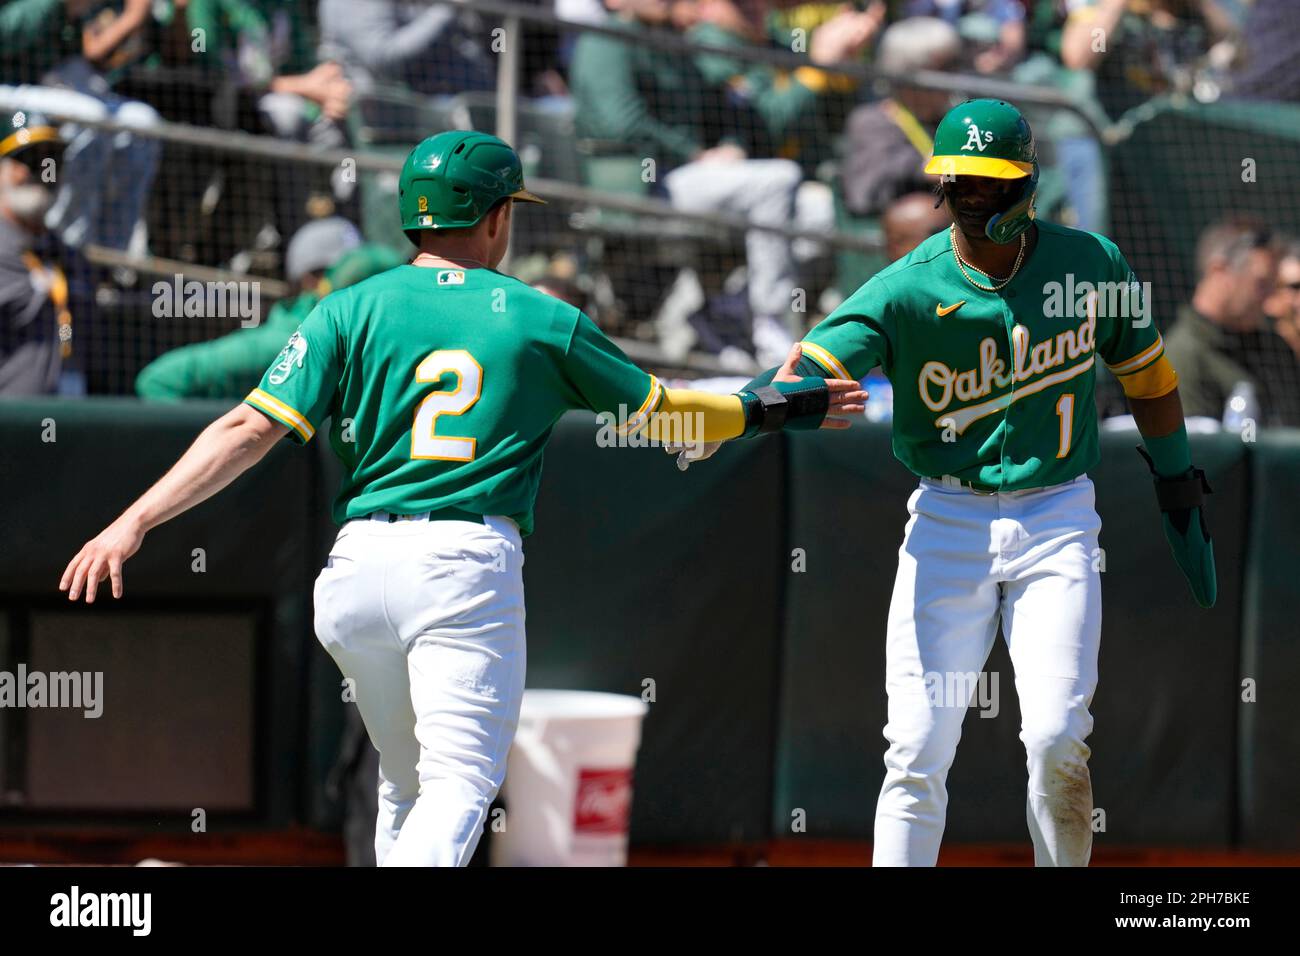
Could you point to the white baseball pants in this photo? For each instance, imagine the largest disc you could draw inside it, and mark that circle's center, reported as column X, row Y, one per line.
column 1030, row 559
column 427, row 620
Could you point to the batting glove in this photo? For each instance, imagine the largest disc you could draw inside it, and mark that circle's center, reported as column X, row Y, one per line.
column 685, row 456
column 1182, row 501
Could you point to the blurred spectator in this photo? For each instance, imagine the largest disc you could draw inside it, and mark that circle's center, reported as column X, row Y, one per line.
column 1271, row 51
column 41, row 281
column 189, row 58
column 577, row 11
column 51, row 54
column 996, row 27
column 434, row 48
column 1078, row 155
column 1139, row 49
column 580, row 11
column 888, row 142
column 1220, row 340
column 910, row 220
column 323, row 256
column 1283, row 306
column 566, row 290
column 235, row 64
column 801, row 109
column 660, row 105
column 305, row 101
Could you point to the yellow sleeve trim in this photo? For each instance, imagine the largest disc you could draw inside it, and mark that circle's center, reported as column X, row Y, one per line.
column 819, row 81
column 687, row 416
column 639, row 418
column 281, row 412
column 1145, row 357
column 826, row 360
column 1158, row 378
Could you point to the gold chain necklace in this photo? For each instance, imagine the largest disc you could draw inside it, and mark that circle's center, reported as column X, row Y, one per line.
column 962, row 263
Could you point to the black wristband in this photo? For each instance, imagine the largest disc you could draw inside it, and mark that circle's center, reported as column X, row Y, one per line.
column 770, row 408
column 774, row 406
column 1177, row 494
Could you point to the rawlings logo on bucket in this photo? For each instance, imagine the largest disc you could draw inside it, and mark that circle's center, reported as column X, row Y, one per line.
column 603, row 802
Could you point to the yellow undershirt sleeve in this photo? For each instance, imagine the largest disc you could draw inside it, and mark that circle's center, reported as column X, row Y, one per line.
column 1158, row 378
column 686, row 416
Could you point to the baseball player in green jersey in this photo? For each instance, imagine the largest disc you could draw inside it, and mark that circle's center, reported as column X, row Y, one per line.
column 442, row 380
column 990, row 333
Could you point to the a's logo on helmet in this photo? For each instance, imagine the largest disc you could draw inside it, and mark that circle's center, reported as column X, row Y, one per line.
column 975, row 138
column 291, row 357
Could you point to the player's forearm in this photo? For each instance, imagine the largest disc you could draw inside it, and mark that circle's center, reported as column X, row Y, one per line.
column 1160, row 420
column 100, row 45
column 222, row 452
column 684, row 414
column 1079, row 50
column 805, row 367
column 1157, row 416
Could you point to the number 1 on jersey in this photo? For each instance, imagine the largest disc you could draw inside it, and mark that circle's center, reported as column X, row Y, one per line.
column 469, row 385
column 1065, row 412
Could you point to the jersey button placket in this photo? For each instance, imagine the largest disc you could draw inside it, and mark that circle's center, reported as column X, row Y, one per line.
column 1008, row 325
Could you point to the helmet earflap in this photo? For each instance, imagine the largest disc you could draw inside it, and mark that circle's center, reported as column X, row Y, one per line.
column 1005, row 226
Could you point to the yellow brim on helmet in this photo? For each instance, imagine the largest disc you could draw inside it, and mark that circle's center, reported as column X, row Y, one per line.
column 28, row 136
column 978, row 166
column 524, row 195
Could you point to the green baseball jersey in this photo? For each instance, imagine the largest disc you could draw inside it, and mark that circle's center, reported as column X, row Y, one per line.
column 995, row 388
column 443, row 385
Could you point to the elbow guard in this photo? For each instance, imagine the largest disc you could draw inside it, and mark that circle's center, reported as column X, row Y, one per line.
column 796, row 405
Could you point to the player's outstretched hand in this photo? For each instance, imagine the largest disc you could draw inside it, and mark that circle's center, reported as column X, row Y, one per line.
column 847, row 397
column 102, row 558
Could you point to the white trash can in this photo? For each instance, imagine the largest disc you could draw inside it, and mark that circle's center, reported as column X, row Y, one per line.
column 568, row 786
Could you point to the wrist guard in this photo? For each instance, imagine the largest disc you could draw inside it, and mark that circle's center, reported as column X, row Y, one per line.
column 797, row 405
column 1177, row 496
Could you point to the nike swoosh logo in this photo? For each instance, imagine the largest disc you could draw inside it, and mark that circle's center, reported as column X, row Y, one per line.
column 941, row 310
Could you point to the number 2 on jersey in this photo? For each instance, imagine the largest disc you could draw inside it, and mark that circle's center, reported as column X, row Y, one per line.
column 425, row 443
column 1065, row 412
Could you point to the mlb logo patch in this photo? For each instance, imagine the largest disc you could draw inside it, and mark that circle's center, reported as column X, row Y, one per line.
column 425, row 220
column 451, row 277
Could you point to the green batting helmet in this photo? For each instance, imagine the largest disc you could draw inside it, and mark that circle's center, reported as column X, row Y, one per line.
column 990, row 138
column 451, row 180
